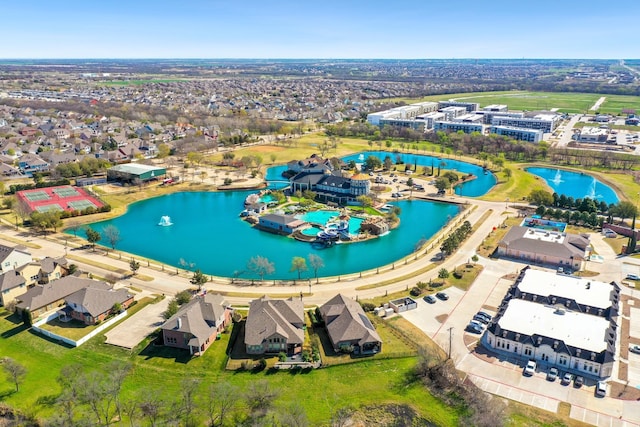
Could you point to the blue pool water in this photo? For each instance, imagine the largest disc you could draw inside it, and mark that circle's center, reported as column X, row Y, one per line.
column 323, row 217
column 576, row 185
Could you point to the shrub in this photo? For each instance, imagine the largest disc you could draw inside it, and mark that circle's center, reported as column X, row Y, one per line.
column 306, row 356
column 183, row 297
column 228, row 181
column 415, row 291
column 457, row 274
column 346, row 349
column 261, row 365
column 422, row 285
column 282, row 356
column 367, row 306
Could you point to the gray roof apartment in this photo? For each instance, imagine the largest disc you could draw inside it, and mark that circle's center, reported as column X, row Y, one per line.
column 268, row 317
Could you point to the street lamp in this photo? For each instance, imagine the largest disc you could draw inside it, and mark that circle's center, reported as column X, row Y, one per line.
column 450, row 335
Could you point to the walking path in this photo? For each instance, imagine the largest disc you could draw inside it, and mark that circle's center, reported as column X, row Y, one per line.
column 598, row 103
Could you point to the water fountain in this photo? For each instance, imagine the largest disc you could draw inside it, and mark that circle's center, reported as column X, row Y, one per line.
column 361, row 157
column 165, row 221
column 558, row 178
column 592, row 190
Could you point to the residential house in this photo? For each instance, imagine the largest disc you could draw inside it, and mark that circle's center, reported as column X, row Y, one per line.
column 348, row 326
column 30, row 163
column 12, row 285
column 93, row 305
column 43, row 271
column 197, row 324
column 274, row 326
column 13, row 257
column 42, row 298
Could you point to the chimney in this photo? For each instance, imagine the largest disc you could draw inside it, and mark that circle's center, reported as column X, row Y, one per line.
column 179, row 322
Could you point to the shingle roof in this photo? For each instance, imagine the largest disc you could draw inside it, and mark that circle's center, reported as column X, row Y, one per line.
column 42, row 295
column 346, row 321
column 198, row 317
column 97, row 301
column 11, row 279
column 268, row 317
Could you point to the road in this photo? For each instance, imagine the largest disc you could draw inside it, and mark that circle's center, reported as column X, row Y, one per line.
column 567, row 132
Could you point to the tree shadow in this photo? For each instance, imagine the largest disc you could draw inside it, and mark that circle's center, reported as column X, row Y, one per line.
column 14, row 331
column 153, row 350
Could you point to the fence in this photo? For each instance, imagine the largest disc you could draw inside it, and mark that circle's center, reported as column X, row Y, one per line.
column 96, row 331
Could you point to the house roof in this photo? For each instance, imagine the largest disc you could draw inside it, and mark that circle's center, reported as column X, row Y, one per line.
column 96, row 301
column 346, row 321
column 561, row 245
column 48, row 264
column 281, row 219
column 199, row 317
column 268, row 317
column 41, row 295
column 11, row 279
column 6, row 251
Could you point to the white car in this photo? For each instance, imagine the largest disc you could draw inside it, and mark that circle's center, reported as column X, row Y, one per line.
column 530, row 369
column 601, row 389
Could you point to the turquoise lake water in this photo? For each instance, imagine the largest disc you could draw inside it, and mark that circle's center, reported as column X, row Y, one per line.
column 208, row 232
column 576, row 185
column 322, row 217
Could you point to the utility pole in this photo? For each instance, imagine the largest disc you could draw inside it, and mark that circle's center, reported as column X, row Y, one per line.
column 450, row 335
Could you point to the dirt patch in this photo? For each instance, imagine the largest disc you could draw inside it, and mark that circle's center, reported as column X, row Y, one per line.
column 624, row 392
column 388, row 416
column 442, row 318
column 623, row 371
column 490, row 307
column 470, row 341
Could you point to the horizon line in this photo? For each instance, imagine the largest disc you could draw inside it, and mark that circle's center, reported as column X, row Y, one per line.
column 309, row 58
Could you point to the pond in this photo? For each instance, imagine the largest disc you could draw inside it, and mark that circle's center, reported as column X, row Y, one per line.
column 208, row 233
column 575, row 184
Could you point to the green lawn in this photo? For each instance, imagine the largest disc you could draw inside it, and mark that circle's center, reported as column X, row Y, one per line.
column 567, row 102
column 369, row 382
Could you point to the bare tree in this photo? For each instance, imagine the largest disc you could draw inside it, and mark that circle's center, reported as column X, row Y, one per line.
column 316, row 263
column 14, row 370
column 222, row 399
column 260, row 397
column 112, row 234
column 294, row 416
column 261, row 266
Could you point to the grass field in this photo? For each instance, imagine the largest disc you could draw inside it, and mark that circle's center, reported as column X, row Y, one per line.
column 369, row 382
column 522, row 100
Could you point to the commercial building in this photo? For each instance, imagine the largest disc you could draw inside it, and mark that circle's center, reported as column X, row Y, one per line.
column 405, row 114
column 450, row 126
column 469, row 106
column 559, row 321
column 545, row 247
column 529, row 135
column 332, row 188
column 545, row 122
column 593, row 135
column 132, row 173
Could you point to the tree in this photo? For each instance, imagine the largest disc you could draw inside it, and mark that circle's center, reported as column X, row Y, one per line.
column 112, row 234
column 172, row 309
column 260, row 397
column 442, row 183
column 366, row 201
column 316, row 263
column 372, row 163
column 298, row 264
column 93, row 237
column 14, row 370
column 222, row 398
column 443, row 273
column 541, row 197
column 388, row 163
column 198, row 279
column 134, row 266
column 261, row 266
column 507, row 173
column 624, row 210
column 474, row 258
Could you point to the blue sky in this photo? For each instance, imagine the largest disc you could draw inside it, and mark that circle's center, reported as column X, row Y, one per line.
column 319, row 29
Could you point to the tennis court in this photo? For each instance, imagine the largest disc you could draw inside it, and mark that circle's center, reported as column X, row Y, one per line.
column 80, row 205
column 36, row 196
column 48, row 208
column 65, row 192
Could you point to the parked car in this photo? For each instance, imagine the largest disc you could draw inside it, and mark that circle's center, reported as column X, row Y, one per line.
column 430, row 299
column 530, row 368
column 552, row 374
column 442, row 296
column 578, row 381
column 633, row 277
column 601, row 389
column 481, row 319
column 566, row 378
column 475, row 322
column 473, row 328
column 634, row 349
column 485, row 315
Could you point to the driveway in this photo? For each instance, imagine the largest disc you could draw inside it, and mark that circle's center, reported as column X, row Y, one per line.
column 133, row 330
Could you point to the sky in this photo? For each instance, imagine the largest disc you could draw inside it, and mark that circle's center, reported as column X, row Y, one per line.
column 421, row 29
